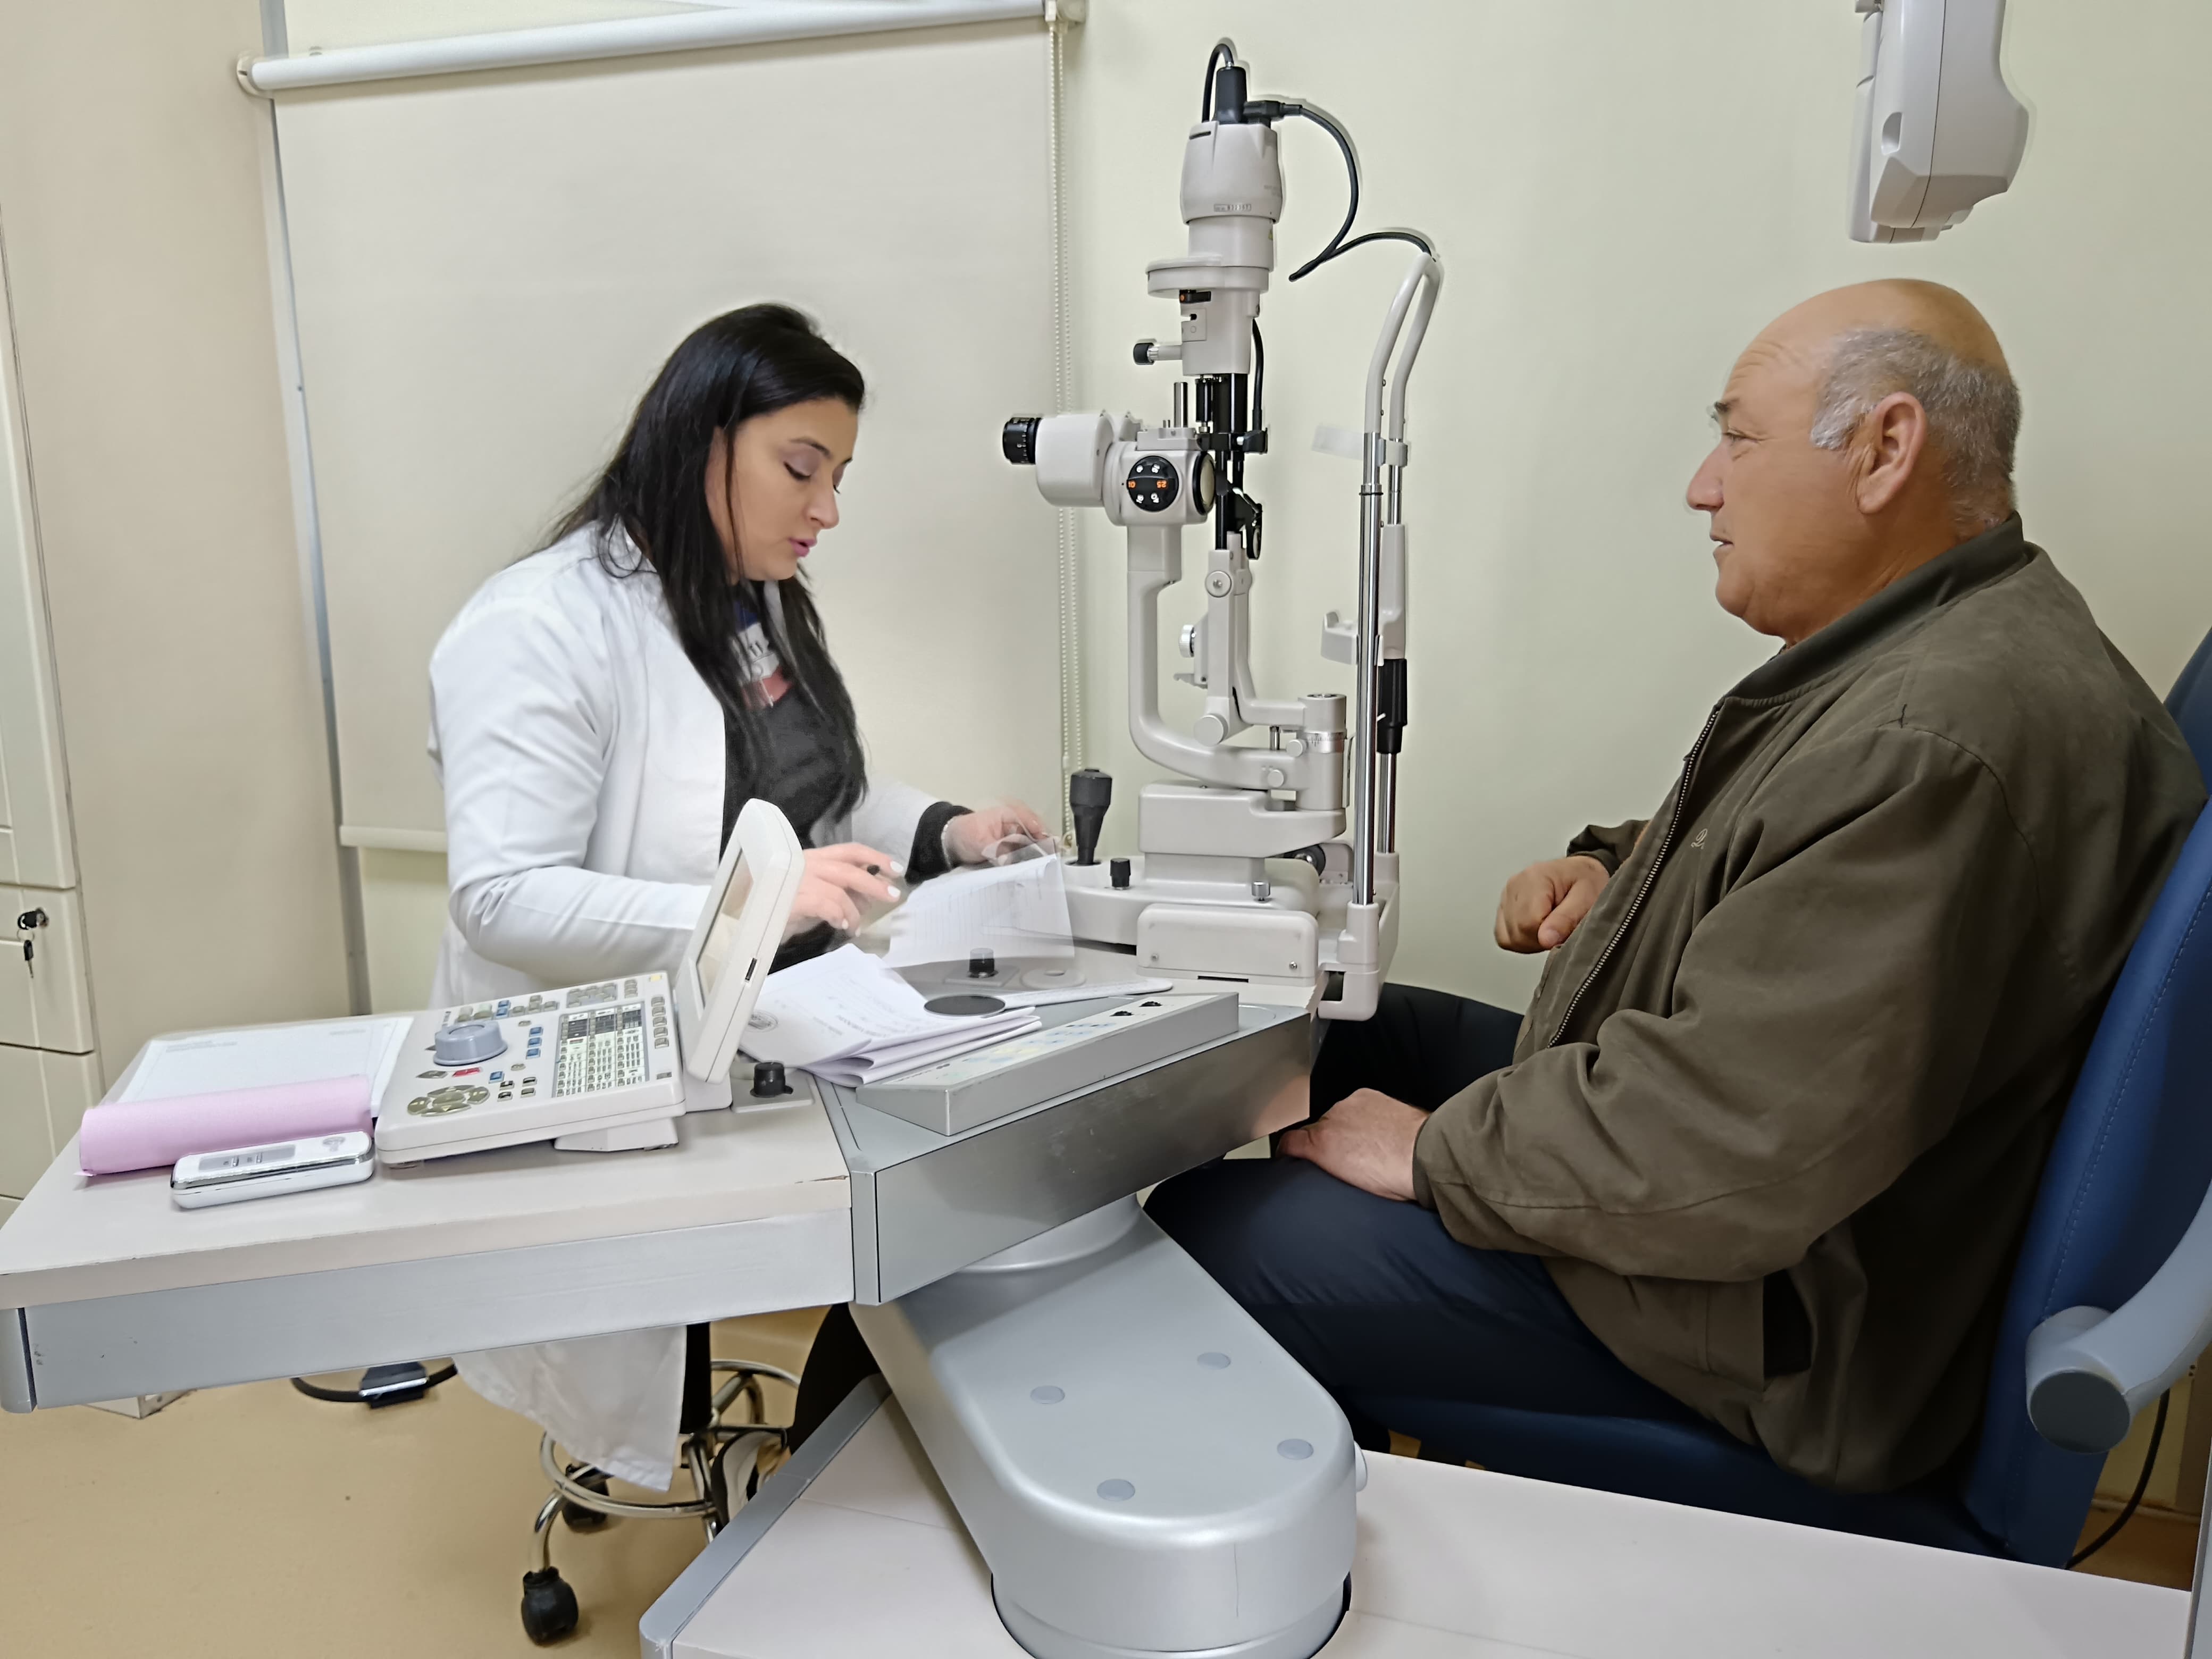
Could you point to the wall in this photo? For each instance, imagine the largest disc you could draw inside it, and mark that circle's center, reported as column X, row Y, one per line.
column 1622, row 199
column 1623, row 194
column 131, row 193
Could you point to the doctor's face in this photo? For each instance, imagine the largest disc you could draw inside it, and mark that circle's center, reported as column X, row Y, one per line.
column 772, row 486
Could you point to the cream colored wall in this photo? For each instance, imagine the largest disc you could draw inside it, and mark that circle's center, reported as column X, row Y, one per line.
column 403, row 900
column 1622, row 193
column 130, row 197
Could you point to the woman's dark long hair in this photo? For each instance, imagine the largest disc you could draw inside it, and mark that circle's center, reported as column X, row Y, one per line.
column 745, row 363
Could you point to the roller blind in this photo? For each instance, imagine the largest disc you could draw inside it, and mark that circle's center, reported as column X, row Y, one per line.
column 489, row 269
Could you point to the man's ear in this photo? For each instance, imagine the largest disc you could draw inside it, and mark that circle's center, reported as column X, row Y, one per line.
column 1891, row 442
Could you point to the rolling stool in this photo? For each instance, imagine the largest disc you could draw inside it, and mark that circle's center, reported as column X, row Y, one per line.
column 723, row 1460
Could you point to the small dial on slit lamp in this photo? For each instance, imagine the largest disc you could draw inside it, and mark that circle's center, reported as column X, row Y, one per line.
column 1153, row 483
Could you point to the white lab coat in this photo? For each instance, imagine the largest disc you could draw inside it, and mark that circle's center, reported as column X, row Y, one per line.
column 582, row 758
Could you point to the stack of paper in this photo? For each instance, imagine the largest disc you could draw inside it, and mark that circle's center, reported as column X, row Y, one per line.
column 847, row 1018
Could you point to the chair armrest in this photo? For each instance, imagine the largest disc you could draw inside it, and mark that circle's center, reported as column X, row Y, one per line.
column 2089, row 1372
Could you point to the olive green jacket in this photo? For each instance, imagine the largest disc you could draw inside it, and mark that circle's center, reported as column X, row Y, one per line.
column 1778, row 1108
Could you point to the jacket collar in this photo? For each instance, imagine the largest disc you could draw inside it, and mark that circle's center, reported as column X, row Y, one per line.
column 1902, row 605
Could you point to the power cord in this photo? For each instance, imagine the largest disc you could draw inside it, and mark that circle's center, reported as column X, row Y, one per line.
column 2136, row 1497
column 1223, row 48
column 1235, row 107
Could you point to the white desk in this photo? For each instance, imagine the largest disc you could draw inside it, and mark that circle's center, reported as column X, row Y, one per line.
column 859, row 1554
column 116, row 1291
column 108, row 1291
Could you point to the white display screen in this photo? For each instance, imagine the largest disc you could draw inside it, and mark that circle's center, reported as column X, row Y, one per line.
column 722, row 937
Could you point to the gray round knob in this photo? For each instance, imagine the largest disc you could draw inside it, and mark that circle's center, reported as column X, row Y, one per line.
column 1186, row 642
column 467, row 1041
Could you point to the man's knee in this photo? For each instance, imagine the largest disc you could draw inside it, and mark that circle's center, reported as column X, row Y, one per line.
column 1235, row 1216
column 1282, row 1230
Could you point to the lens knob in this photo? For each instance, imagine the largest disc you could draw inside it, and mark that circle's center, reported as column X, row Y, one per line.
column 467, row 1041
column 1018, row 439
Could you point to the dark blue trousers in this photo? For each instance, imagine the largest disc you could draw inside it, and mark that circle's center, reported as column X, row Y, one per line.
column 1373, row 1297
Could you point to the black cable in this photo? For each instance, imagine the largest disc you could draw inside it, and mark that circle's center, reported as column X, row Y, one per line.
column 1365, row 237
column 1259, row 380
column 1328, row 123
column 355, row 1397
column 2136, row 1497
column 1224, row 45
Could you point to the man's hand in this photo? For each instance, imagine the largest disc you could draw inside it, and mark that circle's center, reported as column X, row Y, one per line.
column 1366, row 1139
column 1546, row 902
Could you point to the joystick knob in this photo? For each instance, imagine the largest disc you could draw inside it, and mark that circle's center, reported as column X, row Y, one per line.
column 768, row 1080
column 1090, row 791
column 467, row 1041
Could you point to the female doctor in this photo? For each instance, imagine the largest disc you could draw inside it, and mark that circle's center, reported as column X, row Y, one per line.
column 602, row 710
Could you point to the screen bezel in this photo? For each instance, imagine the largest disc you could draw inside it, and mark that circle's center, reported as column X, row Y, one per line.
column 711, row 1026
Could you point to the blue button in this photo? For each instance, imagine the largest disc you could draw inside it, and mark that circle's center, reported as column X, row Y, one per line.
column 495, row 1076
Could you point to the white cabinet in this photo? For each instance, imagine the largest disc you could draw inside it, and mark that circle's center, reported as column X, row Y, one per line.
column 42, row 1095
column 48, row 1074
column 42, row 1000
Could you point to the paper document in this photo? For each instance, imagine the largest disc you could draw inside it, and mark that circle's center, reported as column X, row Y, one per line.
column 1016, row 910
column 261, row 1056
column 848, row 1017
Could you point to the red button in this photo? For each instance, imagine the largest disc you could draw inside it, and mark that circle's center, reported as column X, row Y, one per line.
column 468, row 1070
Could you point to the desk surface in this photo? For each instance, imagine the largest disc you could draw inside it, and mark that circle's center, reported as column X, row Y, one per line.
column 1453, row 1564
column 78, row 1236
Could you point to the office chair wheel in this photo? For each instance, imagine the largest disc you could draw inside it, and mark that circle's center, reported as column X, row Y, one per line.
column 579, row 1518
column 548, row 1606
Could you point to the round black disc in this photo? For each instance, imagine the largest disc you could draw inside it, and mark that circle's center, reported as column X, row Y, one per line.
column 964, row 1002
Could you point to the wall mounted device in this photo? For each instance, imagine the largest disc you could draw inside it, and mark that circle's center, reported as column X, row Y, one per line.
column 1937, row 128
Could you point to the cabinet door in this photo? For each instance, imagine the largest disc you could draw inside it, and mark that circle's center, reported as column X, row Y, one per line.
column 35, row 846
column 42, row 1095
column 45, row 1003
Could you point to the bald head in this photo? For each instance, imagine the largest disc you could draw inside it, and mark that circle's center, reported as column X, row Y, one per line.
column 1942, row 315
column 1863, row 433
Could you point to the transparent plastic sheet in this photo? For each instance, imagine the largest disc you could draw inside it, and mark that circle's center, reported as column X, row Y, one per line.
column 1015, row 911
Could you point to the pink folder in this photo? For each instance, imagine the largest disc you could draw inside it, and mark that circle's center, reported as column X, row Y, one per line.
column 148, row 1134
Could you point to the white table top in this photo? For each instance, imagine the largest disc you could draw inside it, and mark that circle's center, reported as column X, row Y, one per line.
column 1452, row 1563
column 77, row 1237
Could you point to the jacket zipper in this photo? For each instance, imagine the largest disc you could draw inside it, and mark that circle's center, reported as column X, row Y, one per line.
column 1650, row 876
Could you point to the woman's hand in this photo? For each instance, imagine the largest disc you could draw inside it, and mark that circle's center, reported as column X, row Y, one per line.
column 972, row 837
column 838, row 880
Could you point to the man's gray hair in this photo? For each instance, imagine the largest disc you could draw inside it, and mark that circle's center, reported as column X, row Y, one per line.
column 1973, row 412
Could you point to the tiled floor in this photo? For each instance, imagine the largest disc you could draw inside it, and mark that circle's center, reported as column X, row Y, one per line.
column 252, row 1521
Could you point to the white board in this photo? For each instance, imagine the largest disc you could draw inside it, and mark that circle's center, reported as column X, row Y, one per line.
column 490, row 268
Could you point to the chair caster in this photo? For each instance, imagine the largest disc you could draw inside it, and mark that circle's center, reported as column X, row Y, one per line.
column 578, row 1518
column 548, row 1606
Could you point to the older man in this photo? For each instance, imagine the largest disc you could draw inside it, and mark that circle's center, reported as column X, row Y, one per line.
column 1767, row 1138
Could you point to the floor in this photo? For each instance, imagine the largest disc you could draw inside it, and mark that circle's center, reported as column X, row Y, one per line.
column 253, row 1521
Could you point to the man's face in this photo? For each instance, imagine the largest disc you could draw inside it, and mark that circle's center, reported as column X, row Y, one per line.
column 1785, row 525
